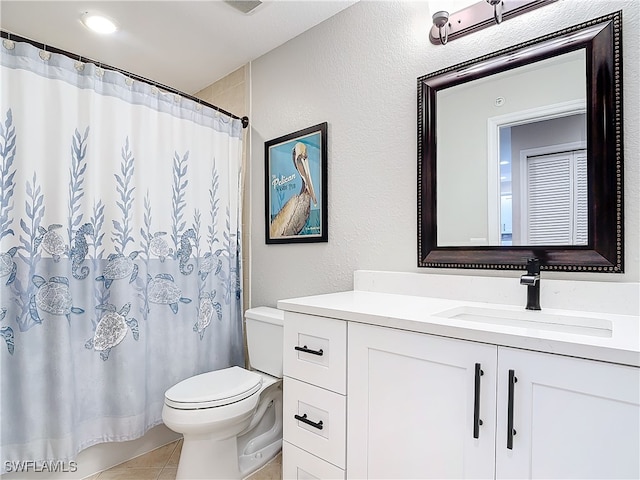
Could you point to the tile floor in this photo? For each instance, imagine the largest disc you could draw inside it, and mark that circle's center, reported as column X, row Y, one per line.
column 162, row 464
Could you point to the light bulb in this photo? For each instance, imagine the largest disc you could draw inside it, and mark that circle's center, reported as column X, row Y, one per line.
column 99, row 23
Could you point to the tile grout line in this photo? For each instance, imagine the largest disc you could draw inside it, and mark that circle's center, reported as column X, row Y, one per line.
column 266, row 470
column 160, row 468
column 168, row 458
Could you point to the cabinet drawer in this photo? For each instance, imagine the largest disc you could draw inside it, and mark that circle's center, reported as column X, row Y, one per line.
column 300, row 465
column 323, row 428
column 315, row 350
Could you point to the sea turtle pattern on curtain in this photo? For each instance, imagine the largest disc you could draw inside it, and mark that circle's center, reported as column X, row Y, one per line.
column 54, row 295
column 119, row 252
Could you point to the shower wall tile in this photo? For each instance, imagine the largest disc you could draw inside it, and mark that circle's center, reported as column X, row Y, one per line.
column 230, row 98
column 218, row 93
column 214, row 90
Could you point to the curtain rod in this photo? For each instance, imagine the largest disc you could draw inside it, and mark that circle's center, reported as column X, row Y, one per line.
column 74, row 56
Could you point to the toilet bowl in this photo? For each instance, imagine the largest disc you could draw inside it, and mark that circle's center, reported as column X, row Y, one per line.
column 231, row 419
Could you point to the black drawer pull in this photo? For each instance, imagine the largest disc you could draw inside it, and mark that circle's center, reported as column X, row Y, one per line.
column 476, row 402
column 304, row 419
column 307, row 350
column 510, row 430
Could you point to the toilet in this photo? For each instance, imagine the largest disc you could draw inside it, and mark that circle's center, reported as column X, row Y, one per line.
column 231, row 419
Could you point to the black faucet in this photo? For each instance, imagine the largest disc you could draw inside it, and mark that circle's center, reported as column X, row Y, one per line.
column 532, row 280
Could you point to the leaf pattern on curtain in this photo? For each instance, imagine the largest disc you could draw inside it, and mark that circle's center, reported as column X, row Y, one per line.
column 7, row 172
column 122, row 230
column 23, row 293
column 118, row 266
column 111, row 289
column 76, row 171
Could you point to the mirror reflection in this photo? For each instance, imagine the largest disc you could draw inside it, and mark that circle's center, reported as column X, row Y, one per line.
column 543, row 183
column 512, row 157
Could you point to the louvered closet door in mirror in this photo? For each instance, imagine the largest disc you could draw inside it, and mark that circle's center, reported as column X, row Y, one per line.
column 554, row 198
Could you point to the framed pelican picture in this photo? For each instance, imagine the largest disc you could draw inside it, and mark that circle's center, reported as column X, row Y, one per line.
column 296, row 186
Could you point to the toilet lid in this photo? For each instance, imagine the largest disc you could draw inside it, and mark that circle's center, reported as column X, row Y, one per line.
column 213, row 389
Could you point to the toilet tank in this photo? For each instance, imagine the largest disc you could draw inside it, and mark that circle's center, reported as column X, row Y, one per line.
column 265, row 329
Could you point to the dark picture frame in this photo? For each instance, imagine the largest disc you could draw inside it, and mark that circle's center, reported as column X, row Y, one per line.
column 296, row 187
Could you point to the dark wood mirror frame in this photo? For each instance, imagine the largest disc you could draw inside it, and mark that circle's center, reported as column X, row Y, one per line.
column 602, row 40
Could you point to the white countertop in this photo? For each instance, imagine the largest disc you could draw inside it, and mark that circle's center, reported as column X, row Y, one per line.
column 423, row 314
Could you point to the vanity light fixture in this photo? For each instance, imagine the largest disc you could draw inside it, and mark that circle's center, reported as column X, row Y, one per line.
column 98, row 23
column 441, row 20
column 497, row 10
column 473, row 18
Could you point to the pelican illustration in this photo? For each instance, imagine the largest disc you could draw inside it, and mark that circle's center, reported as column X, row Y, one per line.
column 292, row 217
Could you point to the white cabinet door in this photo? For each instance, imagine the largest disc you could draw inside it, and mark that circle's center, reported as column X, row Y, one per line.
column 573, row 418
column 410, row 406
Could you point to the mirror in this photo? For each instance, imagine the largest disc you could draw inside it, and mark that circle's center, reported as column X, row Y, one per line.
column 520, row 155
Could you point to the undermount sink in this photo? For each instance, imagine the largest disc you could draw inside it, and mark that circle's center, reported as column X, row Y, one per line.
column 580, row 325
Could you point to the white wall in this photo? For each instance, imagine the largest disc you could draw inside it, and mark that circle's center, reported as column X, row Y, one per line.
column 462, row 157
column 358, row 72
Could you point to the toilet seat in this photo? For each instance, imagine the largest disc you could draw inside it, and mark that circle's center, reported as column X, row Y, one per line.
column 213, row 389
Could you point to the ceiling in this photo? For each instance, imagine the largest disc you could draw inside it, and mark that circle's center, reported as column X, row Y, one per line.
column 186, row 45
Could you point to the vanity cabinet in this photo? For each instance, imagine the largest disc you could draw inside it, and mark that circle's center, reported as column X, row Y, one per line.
column 314, row 404
column 423, row 406
column 573, row 418
column 414, row 409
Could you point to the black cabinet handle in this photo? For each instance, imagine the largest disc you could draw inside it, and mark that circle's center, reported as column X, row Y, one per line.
column 307, row 350
column 476, row 403
column 510, row 430
column 304, row 419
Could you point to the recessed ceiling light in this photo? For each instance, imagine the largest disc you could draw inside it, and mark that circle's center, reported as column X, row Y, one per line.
column 99, row 23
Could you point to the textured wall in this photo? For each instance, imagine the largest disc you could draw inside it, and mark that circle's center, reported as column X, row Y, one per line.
column 358, row 72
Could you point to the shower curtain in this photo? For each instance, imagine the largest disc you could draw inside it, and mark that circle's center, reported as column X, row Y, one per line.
column 119, row 251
